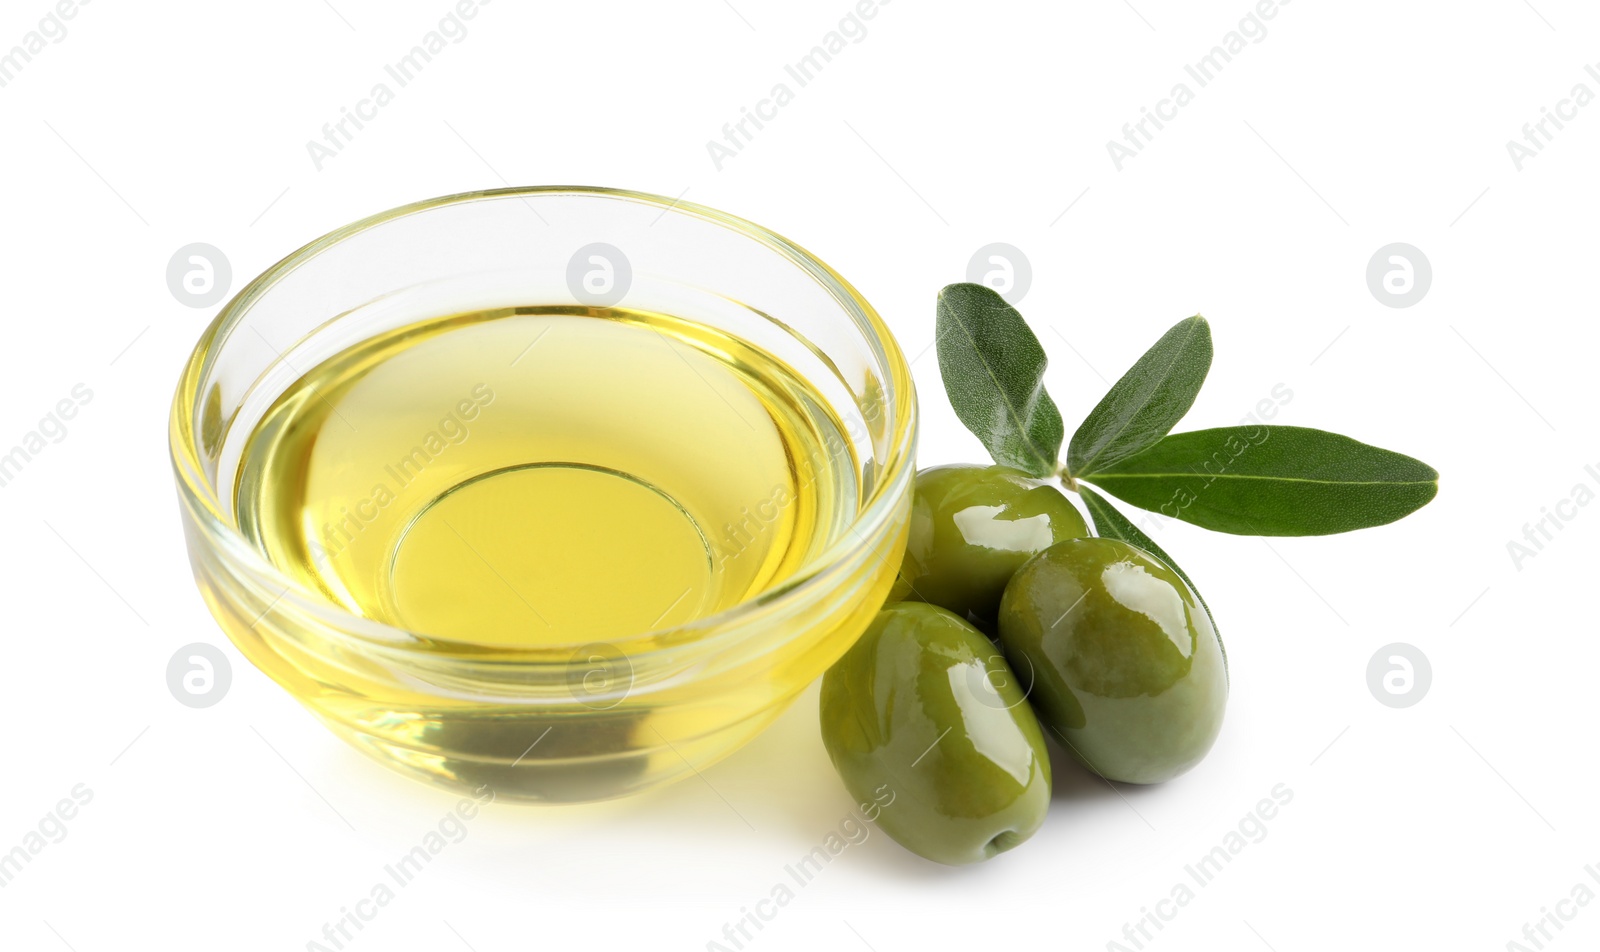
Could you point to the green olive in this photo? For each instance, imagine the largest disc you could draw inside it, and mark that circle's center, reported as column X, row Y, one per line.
column 932, row 734
column 972, row 527
column 1125, row 665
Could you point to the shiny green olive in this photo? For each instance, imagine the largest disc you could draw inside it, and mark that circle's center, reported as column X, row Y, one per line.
column 1126, row 667
column 932, row 734
column 972, row 527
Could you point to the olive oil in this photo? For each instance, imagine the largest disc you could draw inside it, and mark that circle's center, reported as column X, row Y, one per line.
column 567, row 551
column 546, row 476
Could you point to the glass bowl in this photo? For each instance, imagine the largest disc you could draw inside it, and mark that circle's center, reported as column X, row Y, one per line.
column 552, row 722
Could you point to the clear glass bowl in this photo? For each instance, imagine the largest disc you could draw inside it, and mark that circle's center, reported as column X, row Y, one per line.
column 547, row 723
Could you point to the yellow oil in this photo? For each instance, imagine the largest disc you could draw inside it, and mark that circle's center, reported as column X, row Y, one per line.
column 578, row 482
column 545, row 476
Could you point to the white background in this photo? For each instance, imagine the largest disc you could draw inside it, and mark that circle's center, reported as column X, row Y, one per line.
column 1449, row 824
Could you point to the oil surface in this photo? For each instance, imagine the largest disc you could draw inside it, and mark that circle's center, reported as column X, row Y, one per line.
column 545, row 476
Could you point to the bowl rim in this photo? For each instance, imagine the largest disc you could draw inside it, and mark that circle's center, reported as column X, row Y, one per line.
column 810, row 581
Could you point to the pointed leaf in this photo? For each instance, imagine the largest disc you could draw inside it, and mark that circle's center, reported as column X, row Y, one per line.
column 1272, row 481
column 993, row 371
column 1147, row 402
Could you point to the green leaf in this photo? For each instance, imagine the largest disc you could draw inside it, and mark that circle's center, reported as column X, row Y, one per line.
column 1147, row 402
column 1111, row 524
column 993, row 370
column 1272, row 481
